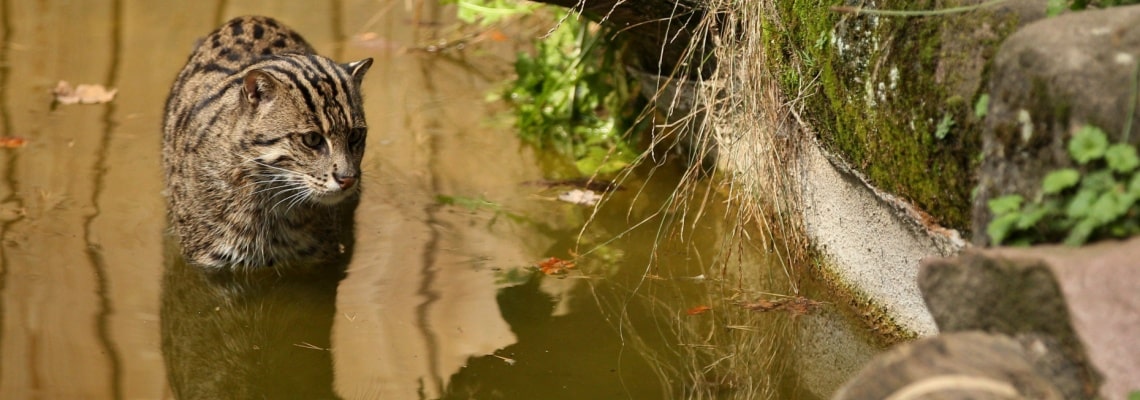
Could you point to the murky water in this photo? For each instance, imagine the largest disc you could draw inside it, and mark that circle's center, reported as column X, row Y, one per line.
column 439, row 299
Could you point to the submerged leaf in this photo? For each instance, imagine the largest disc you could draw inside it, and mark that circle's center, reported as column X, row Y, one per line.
column 11, row 142
column 698, row 310
column 82, row 94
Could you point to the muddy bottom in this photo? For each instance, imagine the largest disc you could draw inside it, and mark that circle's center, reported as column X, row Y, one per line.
column 443, row 296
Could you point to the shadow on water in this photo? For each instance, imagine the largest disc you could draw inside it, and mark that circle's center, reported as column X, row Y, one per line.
column 260, row 334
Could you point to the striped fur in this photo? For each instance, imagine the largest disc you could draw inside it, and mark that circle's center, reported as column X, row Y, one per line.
column 262, row 142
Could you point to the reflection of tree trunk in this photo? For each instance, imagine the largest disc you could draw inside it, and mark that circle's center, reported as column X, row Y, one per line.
column 660, row 33
column 254, row 335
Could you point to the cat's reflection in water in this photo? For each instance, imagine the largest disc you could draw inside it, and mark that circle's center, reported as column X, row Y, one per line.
column 249, row 335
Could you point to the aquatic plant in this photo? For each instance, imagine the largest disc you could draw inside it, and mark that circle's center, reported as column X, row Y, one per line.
column 571, row 95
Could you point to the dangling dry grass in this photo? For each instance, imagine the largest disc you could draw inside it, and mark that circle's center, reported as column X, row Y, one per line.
column 741, row 119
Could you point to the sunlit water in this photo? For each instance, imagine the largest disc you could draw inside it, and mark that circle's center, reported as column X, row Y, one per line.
column 440, row 299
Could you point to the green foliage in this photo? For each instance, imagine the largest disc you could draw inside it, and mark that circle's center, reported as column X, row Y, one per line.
column 570, row 97
column 944, row 126
column 1056, row 7
column 982, row 107
column 1076, row 207
column 1089, row 143
column 487, row 12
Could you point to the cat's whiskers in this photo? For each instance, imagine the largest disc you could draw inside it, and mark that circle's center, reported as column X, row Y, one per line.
column 297, row 191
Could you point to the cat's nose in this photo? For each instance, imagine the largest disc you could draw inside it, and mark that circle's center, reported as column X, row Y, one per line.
column 345, row 181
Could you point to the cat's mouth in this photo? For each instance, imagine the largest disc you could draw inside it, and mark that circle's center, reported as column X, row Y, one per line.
column 332, row 197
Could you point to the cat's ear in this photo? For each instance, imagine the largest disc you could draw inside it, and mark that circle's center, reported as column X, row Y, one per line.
column 258, row 87
column 358, row 69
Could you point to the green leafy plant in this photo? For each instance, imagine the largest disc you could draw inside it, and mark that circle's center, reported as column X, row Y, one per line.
column 570, row 96
column 487, row 12
column 1056, row 7
column 1076, row 206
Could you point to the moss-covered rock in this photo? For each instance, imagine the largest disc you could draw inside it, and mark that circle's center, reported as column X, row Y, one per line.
column 1049, row 80
column 895, row 95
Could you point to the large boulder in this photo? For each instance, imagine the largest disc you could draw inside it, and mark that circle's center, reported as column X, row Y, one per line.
column 1047, row 80
column 1042, row 322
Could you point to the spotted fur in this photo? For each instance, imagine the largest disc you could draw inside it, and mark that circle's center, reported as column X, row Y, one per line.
column 262, row 142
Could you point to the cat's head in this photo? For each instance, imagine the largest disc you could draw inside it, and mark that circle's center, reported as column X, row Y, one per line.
column 305, row 135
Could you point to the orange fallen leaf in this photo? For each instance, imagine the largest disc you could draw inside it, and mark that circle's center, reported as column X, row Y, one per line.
column 697, row 310
column 11, row 142
column 555, row 266
column 82, row 94
column 496, row 35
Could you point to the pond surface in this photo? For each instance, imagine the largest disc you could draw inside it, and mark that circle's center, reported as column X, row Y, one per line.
column 441, row 298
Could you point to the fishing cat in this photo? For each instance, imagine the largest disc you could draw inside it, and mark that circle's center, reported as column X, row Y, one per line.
column 262, row 143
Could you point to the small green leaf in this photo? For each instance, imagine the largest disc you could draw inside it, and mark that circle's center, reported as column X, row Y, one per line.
column 1100, row 180
column 1134, row 185
column 1030, row 216
column 1122, row 158
column 1055, row 7
column 1005, row 204
column 1081, row 232
column 1060, row 180
column 1081, row 204
column 944, row 126
column 982, row 106
column 1000, row 228
column 1088, row 143
column 1105, row 208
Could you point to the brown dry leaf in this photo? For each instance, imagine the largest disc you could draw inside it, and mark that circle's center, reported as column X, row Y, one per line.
column 761, row 305
column 801, row 305
column 793, row 305
column 697, row 310
column 11, row 142
column 555, row 266
column 82, row 94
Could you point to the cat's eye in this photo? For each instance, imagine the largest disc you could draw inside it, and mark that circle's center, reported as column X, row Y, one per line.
column 312, row 139
column 356, row 136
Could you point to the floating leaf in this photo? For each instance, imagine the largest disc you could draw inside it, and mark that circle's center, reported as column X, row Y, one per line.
column 555, row 266
column 1088, row 143
column 579, row 196
column 11, row 142
column 82, row 94
column 1060, row 180
column 1122, row 158
column 698, row 310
